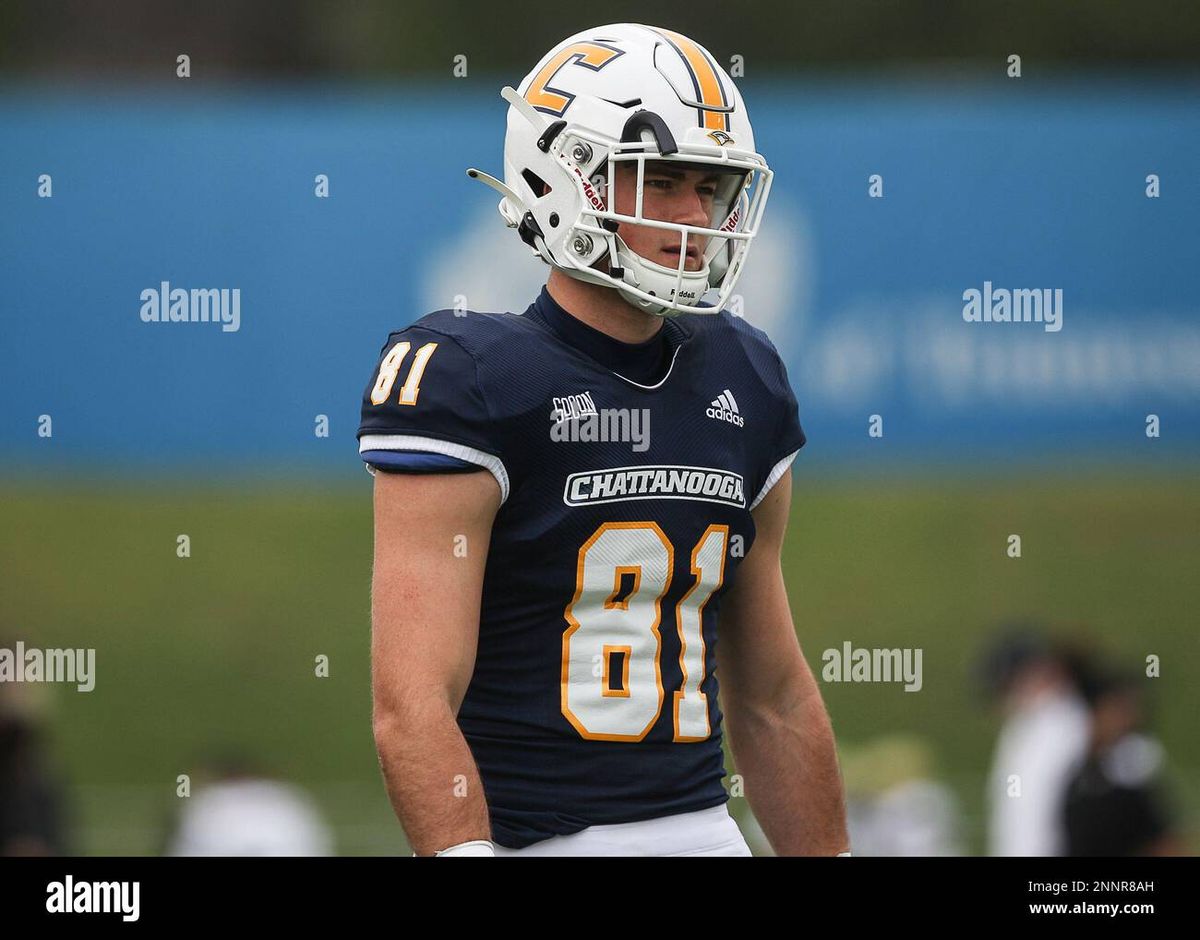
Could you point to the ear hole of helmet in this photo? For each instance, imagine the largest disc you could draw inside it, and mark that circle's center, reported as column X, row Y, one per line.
column 539, row 186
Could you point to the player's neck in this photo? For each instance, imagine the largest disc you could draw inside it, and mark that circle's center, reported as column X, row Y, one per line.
column 602, row 308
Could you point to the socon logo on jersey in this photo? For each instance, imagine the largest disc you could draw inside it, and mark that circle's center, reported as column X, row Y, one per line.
column 660, row 482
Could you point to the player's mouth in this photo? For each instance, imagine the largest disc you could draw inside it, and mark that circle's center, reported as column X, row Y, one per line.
column 672, row 252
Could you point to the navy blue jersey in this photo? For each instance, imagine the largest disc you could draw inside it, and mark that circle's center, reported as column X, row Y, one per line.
column 626, row 511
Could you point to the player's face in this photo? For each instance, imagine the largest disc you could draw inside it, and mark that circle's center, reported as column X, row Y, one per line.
column 672, row 193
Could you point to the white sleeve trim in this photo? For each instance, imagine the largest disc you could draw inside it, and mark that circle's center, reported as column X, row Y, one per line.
column 777, row 471
column 436, row 446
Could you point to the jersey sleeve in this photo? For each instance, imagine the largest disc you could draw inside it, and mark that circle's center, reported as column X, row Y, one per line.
column 424, row 411
column 789, row 435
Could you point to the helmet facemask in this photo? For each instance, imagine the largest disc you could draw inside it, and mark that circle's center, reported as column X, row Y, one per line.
column 667, row 285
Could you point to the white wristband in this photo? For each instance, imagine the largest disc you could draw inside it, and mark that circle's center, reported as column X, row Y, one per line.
column 843, row 854
column 476, row 847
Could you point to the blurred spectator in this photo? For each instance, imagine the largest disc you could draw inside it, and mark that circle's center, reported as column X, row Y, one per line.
column 894, row 805
column 1115, row 804
column 243, row 812
column 31, row 801
column 1042, row 741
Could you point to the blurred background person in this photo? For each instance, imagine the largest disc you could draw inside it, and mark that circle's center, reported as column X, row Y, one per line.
column 1116, row 802
column 895, row 804
column 31, row 798
column 242, row 811
column 1042, row 740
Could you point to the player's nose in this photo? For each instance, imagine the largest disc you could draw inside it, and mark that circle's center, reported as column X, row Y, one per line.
column 692, row 209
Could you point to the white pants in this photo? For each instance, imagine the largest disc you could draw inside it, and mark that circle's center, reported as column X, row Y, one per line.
column 709, row 831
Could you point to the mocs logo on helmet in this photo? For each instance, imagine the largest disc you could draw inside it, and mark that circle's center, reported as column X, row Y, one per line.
column 631, row 117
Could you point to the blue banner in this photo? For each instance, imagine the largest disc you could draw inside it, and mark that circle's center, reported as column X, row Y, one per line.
column 997, row 269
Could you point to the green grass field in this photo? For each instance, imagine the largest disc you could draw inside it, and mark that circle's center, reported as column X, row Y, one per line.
column 218, row 649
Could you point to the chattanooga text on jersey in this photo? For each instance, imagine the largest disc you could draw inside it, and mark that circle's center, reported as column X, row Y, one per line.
column 610, row 486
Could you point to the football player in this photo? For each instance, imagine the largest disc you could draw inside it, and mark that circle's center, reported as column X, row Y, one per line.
column 570, row 500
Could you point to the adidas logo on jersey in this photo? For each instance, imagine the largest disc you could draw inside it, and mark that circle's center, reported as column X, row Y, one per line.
column 725, row 408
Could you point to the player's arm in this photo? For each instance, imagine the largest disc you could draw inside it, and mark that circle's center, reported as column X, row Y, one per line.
column 775, row 719
column 425, row 598
column 440, row 477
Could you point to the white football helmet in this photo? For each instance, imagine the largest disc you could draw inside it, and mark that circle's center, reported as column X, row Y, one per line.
column 628, row 92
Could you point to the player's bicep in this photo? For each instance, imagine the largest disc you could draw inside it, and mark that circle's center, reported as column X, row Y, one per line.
column 431, row 543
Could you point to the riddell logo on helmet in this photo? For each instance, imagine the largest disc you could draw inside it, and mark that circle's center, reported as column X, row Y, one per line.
column 589, row 190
